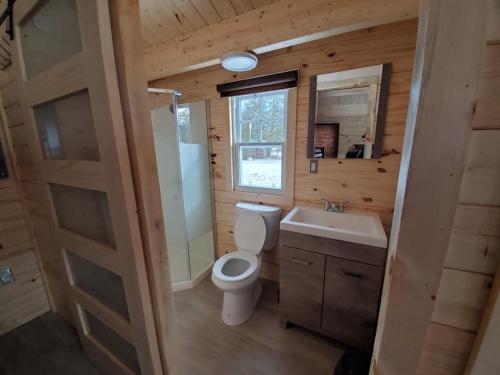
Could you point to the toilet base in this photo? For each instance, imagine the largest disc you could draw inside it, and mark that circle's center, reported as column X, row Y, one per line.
column 238, row 305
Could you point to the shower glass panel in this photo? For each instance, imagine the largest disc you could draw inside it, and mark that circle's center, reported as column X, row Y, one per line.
column 181, row 142
column 196, row 189
column 167, row 158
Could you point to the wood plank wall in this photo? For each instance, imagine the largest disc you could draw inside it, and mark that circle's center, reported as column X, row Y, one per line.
column 366, row 184
column 474, row 250
column 26, row 298
column 33, row 197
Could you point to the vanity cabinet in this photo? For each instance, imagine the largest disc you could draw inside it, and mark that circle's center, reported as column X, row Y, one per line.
column 303, row 304
column 330, row 286
column 351, row 297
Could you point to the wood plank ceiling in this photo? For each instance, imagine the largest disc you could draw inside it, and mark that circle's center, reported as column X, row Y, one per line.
column 167, row 19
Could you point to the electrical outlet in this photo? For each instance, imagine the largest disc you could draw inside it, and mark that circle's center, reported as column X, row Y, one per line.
column 6, row 276
column 313, row 166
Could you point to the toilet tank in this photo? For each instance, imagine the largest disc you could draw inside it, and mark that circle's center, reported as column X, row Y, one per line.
column 272, row 218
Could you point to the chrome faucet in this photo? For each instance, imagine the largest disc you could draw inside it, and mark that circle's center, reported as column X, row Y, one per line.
column 332, row 206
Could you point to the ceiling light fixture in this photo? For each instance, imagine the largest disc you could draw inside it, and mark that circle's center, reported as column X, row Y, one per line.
column 239, row 61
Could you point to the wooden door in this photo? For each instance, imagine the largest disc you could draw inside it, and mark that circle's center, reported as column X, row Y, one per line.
column 69, row 91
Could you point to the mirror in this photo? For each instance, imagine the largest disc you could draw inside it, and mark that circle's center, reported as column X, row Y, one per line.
column 347, row 113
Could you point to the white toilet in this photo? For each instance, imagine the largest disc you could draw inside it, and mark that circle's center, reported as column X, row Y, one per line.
column 255, row 229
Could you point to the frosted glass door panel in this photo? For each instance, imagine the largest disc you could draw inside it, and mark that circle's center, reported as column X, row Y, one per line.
column 121, row 349
column 194, row 155
column 66, row 128
column 84, row 212
column 50, row 35
column 100, row 283
column 165, row 136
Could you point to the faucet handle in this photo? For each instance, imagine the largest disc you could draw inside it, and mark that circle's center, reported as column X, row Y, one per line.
column 341, row 205
column 334, row 206
column 328, row 204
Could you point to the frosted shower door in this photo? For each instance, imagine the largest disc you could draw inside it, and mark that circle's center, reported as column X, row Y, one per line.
column 165, row 136
column 194, row 157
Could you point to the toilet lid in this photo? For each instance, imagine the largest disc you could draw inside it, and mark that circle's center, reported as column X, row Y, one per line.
column 250, row 232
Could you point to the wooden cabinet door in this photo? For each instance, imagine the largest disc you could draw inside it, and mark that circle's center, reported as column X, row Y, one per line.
column 63, row 55
column 301, row 287
column 351, row 299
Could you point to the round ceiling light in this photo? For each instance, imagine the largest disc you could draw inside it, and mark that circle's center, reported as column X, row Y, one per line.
column 239, row 61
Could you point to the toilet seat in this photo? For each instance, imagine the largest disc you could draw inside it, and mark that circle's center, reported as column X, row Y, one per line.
column 252, row 260
column 250, row 232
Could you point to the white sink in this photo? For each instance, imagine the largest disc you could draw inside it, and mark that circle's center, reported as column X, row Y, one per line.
column 365, row 228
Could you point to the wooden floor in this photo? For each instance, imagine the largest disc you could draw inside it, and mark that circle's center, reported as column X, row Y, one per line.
column 43, row 346
column 47, row 345
column 259, row 346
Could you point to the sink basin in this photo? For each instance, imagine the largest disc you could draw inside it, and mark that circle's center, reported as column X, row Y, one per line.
column 365, row 228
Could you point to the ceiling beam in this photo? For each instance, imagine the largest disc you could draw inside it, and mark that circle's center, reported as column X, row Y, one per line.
column 278, row 25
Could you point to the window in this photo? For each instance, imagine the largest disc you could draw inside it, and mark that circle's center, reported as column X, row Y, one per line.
column 259, row 141
column 184, row 121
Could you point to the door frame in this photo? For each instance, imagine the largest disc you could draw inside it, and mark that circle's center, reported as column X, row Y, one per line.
column 450, row 42
column 403, row 343
column 131, row 69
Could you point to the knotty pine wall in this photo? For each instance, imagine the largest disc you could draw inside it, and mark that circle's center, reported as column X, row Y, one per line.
column 26, row 298
column 366, row 184
column 474, row 249
column 33, row 198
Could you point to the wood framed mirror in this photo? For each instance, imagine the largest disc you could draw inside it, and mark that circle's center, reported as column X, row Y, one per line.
column 347, row 113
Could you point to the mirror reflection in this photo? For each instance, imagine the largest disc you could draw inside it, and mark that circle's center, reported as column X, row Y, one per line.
column 349, row 113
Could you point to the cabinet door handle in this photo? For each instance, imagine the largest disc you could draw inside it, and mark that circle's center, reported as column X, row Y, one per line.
column 300, row 261
column 352, row 274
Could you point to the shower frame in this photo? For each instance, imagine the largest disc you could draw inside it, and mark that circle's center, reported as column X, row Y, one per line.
column 190, row 282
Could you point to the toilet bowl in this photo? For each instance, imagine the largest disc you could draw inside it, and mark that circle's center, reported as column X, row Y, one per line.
column 236, row 273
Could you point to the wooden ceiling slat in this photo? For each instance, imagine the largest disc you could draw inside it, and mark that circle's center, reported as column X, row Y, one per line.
column 149, row 37
column 163, row 20
column 260, row 3
column 178, row 17
column 280, row 24
column 207, row 11
column 224, row 8
column 156, row 23
column 191, row 13
column 242, row 6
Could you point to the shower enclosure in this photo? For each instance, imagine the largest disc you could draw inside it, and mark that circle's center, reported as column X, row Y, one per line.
column 181, row 145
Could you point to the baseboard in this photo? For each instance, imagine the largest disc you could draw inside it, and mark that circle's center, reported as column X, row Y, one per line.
column 183, row 285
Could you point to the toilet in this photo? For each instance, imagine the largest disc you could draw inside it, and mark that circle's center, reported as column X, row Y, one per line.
column 256, row 228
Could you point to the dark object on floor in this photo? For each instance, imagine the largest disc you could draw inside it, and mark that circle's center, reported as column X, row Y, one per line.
column 353, row 363
column 46, row 345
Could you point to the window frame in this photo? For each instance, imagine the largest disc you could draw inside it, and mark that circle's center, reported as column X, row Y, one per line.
column 237, row 146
